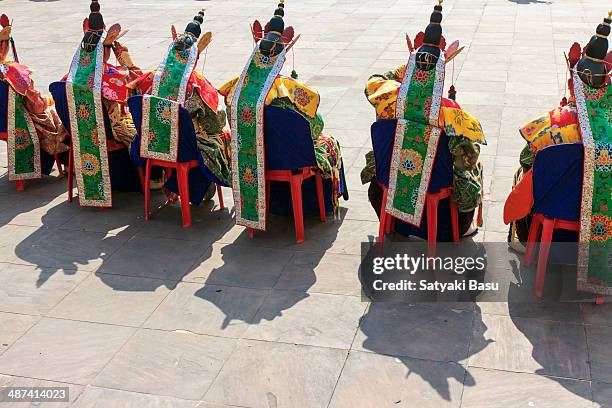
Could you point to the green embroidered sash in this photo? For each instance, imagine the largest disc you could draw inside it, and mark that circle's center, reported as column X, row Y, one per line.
column 595, row 247
column 160, row 119
column 416, row 141
column 83, row 91
column 23, row 144
column 247, row 114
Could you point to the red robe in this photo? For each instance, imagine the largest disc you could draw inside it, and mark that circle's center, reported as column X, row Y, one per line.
column 196, row 83
column 49, row 127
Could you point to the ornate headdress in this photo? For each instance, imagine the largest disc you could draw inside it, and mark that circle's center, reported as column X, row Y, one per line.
column 93, row 26
column 594, row 62
column 274, row 37
column 430, row 43
column 192, row 33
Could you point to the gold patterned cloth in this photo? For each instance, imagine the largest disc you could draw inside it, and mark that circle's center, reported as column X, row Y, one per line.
column 121, row 121
column 555, row 127
column 305, row 99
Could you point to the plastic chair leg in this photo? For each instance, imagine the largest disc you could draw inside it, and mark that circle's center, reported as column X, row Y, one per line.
column 220, row 195
column 534, row 231
column 454, row 220
column 298, row 211
column 20, row 185
column 320, row 197
column 147, row 190
column 383, row 219
column 70, row 174
column 432, row 223
column 183, row 184
column 547, row 234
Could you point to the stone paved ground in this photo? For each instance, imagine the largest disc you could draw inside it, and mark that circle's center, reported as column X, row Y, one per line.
column 135, row 314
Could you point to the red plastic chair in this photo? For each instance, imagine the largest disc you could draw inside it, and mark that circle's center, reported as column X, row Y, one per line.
column 547, row 225
column 295, row 179
column 432, row 200
column 557, row 199
column 182, row 173
column 187, row 139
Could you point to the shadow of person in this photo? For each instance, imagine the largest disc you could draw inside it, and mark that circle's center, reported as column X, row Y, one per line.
column 161, row 251
column 71, row 238
column 431, row 340
column 429, row 331
column 118, row 242
column 272, row 260
column 549, row 335
column 25, row 207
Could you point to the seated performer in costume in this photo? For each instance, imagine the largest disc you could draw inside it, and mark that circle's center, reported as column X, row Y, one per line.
column 261, row 77
column 200, row 98
column 413, row 92
column 91, row 85
column 114, row 78
column 32, row 122
column 584, row 118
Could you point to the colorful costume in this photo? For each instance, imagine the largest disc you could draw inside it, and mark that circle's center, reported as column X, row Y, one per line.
column 175, row 82
column 32, row 123
column 585, row 119
column 114, row 80
column 413, row 94
column 92, row 84
column 261, row 85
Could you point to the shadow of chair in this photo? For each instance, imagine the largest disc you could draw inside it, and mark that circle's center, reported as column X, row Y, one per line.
column 124, row 176
column 245, row 265
column 192, row 177
column 435, row 225
column 46, row 160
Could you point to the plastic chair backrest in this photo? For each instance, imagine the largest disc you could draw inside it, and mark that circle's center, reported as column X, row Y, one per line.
column 288, row 143
column 3, row 106
column 188, row 147
column 58, row 91
column 383, row 137
column 557, row 181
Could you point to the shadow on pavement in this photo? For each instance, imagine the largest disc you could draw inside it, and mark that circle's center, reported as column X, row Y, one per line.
column 259, row 263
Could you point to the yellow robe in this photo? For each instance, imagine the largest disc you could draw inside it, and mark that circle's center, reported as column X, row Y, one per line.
column 304, row 98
